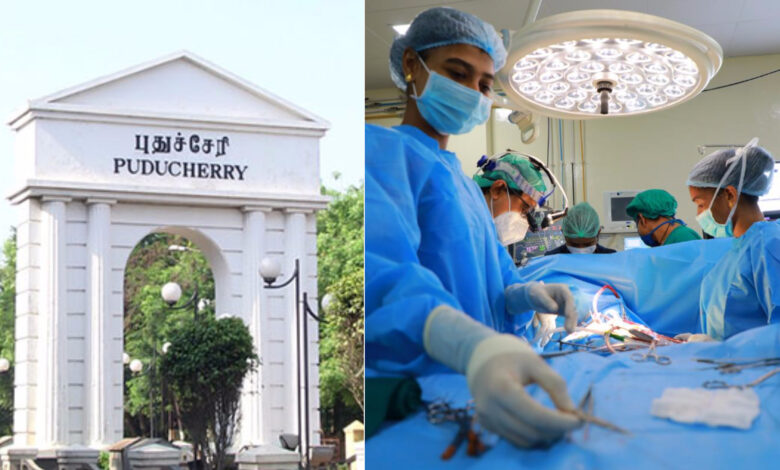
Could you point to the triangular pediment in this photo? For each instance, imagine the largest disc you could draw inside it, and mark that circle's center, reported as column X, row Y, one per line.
column 179, row 85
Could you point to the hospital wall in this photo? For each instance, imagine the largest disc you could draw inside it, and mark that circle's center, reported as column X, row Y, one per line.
column 635, row 153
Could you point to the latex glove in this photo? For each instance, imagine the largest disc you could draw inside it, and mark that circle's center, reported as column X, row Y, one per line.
column 544, row 324
column 498, row 367
column 499, row 370
column 694, row 338
column 542, row 298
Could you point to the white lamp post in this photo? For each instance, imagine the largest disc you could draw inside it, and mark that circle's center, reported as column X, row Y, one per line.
column 269, row 271
column 171, row 293
column 136, row 365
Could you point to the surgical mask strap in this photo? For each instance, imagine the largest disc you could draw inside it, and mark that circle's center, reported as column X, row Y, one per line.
column 742, row 155
column 425, row 66
column 492, row 214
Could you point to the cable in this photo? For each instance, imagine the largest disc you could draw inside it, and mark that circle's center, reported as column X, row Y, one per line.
column 560, row 148
column 742, row 81
column 582, row 159
column 548, row 142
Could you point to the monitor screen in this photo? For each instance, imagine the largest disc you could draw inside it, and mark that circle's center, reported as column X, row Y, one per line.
column 630, row 243
column 770, row 202
column 618, row 208
column 536, row 244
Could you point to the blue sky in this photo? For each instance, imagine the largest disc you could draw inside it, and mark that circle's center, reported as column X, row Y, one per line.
column 307, row 52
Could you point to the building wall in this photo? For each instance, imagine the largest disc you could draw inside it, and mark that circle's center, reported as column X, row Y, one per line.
column 218, row 232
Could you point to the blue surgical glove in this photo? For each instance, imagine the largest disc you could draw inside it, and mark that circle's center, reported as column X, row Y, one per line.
column 497, row 368
column 542, row 298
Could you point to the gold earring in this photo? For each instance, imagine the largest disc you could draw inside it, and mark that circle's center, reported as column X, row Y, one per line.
column 408, row 77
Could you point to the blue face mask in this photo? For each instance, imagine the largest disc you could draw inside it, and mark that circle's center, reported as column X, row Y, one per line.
column 450, row 107
column 648, row 238
column 710, row 226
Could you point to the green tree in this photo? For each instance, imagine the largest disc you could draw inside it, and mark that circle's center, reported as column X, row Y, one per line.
column 340, row 262
column 205, row 368
column 342, row 343
column 149, row 323
column 340, row 237
column 7, row 307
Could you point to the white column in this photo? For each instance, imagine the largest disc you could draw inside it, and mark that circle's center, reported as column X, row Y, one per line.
column 52, row 406
column 295, row 249
column 254, row 248
column 100, row 374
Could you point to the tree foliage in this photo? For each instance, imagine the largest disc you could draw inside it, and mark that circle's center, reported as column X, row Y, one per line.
column 7, row 306
column 149, row 323
column 342, row 343
column 340, row 237
column 205, row 368
column 340, row 261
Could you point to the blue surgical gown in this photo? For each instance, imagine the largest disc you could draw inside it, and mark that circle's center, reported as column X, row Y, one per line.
column 430, row 240
column 742, row 290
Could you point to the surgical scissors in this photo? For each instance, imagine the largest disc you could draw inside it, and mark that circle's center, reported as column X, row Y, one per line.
column 651, row 355
column 719, row 384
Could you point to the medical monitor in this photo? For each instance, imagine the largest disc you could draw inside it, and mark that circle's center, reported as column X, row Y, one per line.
column 616, row 218
column 536, row 244
column 770, row 202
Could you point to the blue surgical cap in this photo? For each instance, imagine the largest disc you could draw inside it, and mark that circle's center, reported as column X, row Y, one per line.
column 443, row 26
column 758, row 171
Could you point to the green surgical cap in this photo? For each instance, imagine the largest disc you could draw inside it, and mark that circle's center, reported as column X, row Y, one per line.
column 652, row 204
column 581, row 221
column 517, row 172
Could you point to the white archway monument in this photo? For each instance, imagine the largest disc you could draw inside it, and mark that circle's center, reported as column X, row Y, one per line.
column 176, row 145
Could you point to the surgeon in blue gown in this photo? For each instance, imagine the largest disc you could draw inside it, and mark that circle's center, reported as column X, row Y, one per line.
column 742, row 290
column 440, row 288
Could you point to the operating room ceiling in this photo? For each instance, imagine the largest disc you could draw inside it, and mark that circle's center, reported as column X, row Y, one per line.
column 741, row 27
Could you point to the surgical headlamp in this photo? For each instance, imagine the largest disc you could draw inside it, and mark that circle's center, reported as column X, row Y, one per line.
column 495, row 163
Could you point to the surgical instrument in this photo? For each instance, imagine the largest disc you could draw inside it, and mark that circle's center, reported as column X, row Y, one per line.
column 441, row 411
column 587, row 401
column 719, row 384
column 652, row 355
column 735, row 366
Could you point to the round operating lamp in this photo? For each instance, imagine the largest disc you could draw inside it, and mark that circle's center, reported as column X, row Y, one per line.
column 594, row 63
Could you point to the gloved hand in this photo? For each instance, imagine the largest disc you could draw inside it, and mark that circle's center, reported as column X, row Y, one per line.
column 498, row 367
column 694, row 338
column 497, row 373
column 544, row 324
column 542, row 298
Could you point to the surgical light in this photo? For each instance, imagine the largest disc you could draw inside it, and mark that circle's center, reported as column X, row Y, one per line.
column 585, row 64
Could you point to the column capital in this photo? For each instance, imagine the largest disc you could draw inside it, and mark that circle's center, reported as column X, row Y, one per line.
column 100, row 200
column 265, row 209
column 56, row 199
column 295, row 210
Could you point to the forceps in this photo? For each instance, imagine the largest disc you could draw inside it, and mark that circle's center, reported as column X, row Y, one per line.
column 651, row 355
